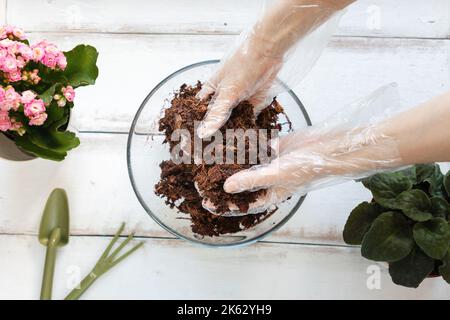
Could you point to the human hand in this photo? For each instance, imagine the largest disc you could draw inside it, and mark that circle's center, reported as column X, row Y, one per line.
column 276, row 53
column 352, row 144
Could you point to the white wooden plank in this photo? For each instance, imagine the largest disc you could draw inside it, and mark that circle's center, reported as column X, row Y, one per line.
column 96, row 179
column 262, row 271
column 386, row 18
column 130, row 66
column 2, row 11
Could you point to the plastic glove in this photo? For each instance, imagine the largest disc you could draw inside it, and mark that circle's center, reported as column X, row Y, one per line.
column 370, row 136
column 349, row 145
column 275, row 54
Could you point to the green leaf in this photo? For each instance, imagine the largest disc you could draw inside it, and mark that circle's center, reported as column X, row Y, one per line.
column 440, row 207
column 81, row 67
column 415, row 204
column 386, row 187
column 431, row 173
column 55, row 114
column 433, row 237
column 447, row 183
column 47, row 96
column 389, row 238
column 411, row 270
column 444, row 269
column 359, row 222
column 424, row 171
column 26, row 145
column 53, row 138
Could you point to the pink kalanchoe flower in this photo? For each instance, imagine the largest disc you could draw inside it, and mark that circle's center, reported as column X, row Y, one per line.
column 69, row 93
column 38, row 53
column 12, row 99
column 26, row 52
column 2, row 94
column 5, row 121
column 6, row 43
column 15, row 76
column 38, row 120
column 34, row 108
column 62, row 61
column 49, row 60
column 9, row 64
column 27, row 96
column 19, row 33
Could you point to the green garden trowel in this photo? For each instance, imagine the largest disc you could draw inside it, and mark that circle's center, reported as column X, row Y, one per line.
column 53, row 233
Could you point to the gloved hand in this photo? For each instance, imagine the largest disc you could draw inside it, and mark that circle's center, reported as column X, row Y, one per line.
column 371, row 135
column 354, row 143
column 275, row 54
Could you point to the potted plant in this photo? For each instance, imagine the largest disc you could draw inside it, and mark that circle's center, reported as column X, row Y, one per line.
column 37, row 91
column 406, row 224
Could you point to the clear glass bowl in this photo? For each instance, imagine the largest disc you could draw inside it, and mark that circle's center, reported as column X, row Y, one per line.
column 145, row 151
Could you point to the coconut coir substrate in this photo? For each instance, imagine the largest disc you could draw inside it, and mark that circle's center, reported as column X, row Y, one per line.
column 178, row 181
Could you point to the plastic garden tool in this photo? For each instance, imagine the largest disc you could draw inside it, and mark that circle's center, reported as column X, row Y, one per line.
column 53, row 233
column 106, row 262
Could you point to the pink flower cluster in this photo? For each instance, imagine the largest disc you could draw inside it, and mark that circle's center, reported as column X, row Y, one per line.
column 14, row 55
column 68, row 94
column 33, row 108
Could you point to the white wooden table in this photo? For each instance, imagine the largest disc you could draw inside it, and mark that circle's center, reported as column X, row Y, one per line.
column 140, row 42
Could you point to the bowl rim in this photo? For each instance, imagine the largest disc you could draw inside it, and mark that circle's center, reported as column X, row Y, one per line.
column 150, row 212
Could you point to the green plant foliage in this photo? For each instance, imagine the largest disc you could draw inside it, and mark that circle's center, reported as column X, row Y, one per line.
column 431, row 174
column 81, row 66
column 389, row 238
column 433, row 237
column 359, row 222
column 406, row 224
column 52, row 140
column 444, row 269
column 415, row 204
column 447, row 183
column 385, row 187
column 411, row 270
column 440, row 207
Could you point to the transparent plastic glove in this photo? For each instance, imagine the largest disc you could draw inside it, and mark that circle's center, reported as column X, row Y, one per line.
column 275, row 54
column 352, row 144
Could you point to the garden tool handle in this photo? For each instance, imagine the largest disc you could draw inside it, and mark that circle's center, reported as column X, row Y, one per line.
column 49, row 268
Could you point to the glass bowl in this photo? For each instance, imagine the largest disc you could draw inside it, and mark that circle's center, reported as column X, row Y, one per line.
column 145, row 151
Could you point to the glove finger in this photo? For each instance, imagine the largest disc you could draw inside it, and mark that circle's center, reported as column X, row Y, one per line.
column 207, row 89
column 219, row 110
column 273, row 196
column 255, row 178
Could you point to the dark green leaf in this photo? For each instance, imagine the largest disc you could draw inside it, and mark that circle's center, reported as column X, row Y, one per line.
column 26, row 145
column 447, row 183
column 431, row 173
column 440, row 207
column 53, row 138
column 425, row 171
column 386, row 187
column 47, row 96
column 433, row 237
column 389, row 238
column 359, row 222
column 411, row 270
column 81, row 67
column 55, row 114
column 444, row 269
column 415, row 204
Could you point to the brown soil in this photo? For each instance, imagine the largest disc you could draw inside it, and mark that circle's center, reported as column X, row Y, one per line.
column 177, row 184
